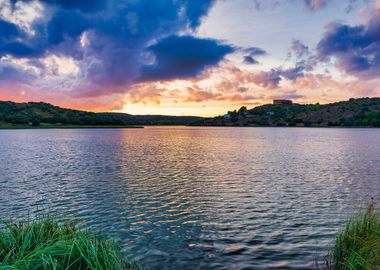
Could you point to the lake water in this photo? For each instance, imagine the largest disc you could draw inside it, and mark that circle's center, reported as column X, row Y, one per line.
column 196, row 197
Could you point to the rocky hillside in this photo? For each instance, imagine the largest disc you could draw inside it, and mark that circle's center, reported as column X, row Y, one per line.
column 362, row 112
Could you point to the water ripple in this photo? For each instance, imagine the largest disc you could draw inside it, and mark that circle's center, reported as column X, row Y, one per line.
column 197, row 198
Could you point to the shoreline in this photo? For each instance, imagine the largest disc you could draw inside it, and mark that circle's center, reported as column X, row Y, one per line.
column 190, row 126
column 67, row 127
column 324, row 127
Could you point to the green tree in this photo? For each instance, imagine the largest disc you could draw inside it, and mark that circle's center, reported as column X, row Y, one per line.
column 36, row 122
column 243, row 109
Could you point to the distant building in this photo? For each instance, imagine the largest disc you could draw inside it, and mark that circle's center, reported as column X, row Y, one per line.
column 282, row 101
column 228, row 116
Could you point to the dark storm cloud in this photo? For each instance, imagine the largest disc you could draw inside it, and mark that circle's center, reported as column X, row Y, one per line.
column 12, row 41
column 355, row 48
column 66, row 25
column 183, row 57
column 340, row 38
column 117, row 37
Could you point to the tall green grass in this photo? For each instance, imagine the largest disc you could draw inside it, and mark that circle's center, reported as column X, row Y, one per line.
column 47, row 244
column 357, row 247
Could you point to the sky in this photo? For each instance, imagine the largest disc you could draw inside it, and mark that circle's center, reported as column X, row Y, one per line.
column 187, row 57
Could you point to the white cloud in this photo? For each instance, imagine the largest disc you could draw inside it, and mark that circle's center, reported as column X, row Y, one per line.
column 60, row 65
column 23, row 13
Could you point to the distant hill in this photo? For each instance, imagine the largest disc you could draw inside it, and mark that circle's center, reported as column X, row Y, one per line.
column 362, row 112
column 40, row 113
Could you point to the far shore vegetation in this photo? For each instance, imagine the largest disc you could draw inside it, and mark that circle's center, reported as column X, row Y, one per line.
column 46, row 244
column 58, row 126
column 357, row 247
column 40, row 114
column 361, row 112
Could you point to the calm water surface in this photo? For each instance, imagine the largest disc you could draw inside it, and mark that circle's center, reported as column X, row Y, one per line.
column 197, row 198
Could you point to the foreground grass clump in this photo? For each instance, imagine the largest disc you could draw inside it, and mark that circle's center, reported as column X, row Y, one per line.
column 357, row 247
column 47, row 244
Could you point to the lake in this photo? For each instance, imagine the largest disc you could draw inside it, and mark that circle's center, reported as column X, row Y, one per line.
column 197, row 197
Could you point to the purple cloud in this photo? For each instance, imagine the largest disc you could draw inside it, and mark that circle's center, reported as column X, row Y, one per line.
column 355, row 48
column 183, row 57
column 252, row 53
column 293, row 73
column 299, row 49
column 250, row 60
column 272, row 78
column 111, row 39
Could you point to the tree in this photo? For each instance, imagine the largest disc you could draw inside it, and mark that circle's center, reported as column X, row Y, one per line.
column 36, row 122
column 242, row 110
column 233, row 113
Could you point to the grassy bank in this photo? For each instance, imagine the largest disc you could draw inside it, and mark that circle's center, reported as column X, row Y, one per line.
column 47, row 244
column 357, row 247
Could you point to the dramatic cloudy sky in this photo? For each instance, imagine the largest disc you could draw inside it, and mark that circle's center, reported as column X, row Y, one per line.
column 187, row 57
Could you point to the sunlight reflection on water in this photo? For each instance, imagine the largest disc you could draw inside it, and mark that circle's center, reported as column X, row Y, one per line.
column 197, row 198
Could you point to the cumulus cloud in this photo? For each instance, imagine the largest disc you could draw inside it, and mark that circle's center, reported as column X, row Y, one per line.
column 112, row 40
column 179, row 57
column 77, row 51
column 227, row 83
column 356, row 49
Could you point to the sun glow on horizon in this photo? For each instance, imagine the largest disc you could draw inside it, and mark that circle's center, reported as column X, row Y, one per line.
column 187, row 57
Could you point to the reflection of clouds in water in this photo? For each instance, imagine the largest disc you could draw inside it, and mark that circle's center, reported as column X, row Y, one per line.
column 179, row 197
